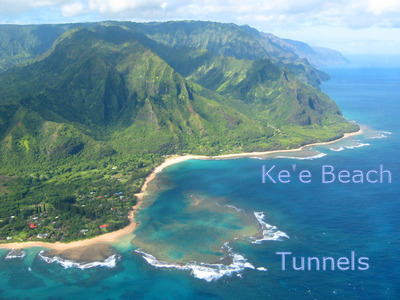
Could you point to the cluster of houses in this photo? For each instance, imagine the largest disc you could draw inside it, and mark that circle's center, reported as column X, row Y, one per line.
column 35, row 222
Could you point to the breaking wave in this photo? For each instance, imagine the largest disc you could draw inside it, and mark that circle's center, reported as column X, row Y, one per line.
column 15, row 253
column 381, row 134
column 238, row 263
column 319, row 155
column 269, row 232
column 205, row 271
column 109, row 262
column 358, row 145
column 231, row 206
column 337, row 149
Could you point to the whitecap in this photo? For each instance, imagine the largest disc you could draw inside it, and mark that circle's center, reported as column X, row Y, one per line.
column 15, row 253
column 337, row 149
column 358, row 145
column 319, row 155
column 380, row 136
column 204, row 271
column 262, row 269
column 109, row 262
column 269, row 232
column 231, row 206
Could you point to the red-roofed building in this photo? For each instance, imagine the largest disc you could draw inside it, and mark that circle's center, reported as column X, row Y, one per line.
column 103, row 226
column 100, row 197
column 32, row 226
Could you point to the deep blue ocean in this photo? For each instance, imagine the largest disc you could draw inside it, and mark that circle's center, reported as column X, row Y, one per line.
column 211, row 229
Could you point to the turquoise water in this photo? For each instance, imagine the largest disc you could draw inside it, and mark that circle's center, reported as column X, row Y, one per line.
column 200, row 239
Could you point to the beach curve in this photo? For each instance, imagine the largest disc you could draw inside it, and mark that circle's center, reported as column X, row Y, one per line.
column 113, row 236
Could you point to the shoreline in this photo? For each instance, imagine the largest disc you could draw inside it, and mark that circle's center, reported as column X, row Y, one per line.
column 113, row 236
column 104, row 238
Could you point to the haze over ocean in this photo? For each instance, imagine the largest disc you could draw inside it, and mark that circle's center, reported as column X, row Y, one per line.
column 197, row 206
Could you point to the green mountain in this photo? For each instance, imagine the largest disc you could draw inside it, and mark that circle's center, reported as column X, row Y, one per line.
column 317, row 56
column 19, row 44
column 229, row 40
column 87, row 119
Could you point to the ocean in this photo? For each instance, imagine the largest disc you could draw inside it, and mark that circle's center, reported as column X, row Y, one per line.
column 212, row 229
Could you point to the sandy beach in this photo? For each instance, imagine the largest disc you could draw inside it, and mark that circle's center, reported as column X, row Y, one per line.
column 104, row 238
column 113, row 236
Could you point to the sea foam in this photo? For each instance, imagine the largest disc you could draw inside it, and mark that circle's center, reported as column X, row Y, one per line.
column 338, row 149
column 210, row 272
column 205, row 271
column 231, row 206
column 319, row 155
column 358, row 145
column 269, row 232
column 109, row 262
column 380, row 134
column 13, row 254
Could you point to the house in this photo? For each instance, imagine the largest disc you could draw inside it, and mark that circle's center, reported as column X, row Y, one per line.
column 32, row 226
column 104, row 226
column 9, row 238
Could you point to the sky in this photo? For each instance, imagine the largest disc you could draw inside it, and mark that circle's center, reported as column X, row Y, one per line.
column 350, row 26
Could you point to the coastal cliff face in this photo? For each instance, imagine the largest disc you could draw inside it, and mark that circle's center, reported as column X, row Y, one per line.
column 87, row 110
